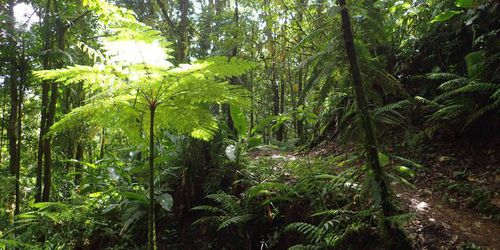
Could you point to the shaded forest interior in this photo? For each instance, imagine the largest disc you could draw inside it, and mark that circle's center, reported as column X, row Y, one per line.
column 249, row 124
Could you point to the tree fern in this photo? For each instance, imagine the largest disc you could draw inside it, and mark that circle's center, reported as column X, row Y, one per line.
column 463, row 100
column 134, row 88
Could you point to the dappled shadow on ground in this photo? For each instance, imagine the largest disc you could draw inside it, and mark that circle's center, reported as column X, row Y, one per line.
column 455, row 200
column 438, row 226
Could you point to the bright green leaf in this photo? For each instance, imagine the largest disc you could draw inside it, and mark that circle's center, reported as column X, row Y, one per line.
column 383, row 159
column 464, row 3
column 445, row 16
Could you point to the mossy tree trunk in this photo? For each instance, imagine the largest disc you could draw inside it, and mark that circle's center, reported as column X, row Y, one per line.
column 370, row 142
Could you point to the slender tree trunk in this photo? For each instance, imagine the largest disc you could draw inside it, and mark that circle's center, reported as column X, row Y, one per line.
column 41, row 142
column 151, row 225
column 300, row 104
column 232, row 53
column 205, row 39
column 14, row 99
column 43, row 109
column 182, row 42
column 291, row 82
column 18, row 169
column 252, row 112
column 47, row 178
column 51, row 112
column 69, row 135
column 274, row 82
column 22, row 83
column 370, row 142
column 79, row 97
column 78, row 167
column 281, row 129
column 103, row 144
column 4, row 108
column 276, row 100
column 300, row 78
column 12, row 128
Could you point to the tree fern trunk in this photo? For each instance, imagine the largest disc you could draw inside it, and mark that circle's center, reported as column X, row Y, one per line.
column 151, row 226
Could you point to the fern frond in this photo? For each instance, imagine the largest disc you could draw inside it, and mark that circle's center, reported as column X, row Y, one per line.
column 309, row 230
column 495, row 106
column 441, row 76
column 427, row 102
column 96, row 55
column 477, row 87
column 496, row 96
column 266, row 188
column 228, row 202
column 305, row 247
column 208, row 219
column 446, row 113
column 453, row 84
column 234, row 220
column 210, row 209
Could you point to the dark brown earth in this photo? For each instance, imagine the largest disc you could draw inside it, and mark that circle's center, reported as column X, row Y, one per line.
column 438, row 226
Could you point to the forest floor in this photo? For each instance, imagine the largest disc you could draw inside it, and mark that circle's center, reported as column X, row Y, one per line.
column 456, row 200
column 456, row 204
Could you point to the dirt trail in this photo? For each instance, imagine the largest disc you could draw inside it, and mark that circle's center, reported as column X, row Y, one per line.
column 438, row 226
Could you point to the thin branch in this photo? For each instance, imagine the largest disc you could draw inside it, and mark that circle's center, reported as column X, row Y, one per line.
column 164, row 11
column 76, row 19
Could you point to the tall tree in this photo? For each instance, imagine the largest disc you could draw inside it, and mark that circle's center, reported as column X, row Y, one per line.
column 45, row 100
column 12, row 129
column 181, row 29
column 370, row 141
column 183, row 42
column 61, row 27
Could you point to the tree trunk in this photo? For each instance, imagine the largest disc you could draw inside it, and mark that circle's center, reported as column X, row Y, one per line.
column 276, row 100
column 14, row 99
column 232, row 53
column 151, row 214
column 22, row 83
column 41, row 139
column 51, row 112
column 300, row 104
column 281, row 129
column 252, row 106
column 4, row 108
column 103, row 144
column 182, row 42
column 43, row 109
column 78, row 167
column 300, row 77
column 12, row 127
column 47, row 178
column 370, row 142
column 274, row 82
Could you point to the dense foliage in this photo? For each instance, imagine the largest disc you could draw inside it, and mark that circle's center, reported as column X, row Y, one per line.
column 197, row 116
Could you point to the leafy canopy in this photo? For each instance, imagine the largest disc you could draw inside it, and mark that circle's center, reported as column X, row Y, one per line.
column 126, row 87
